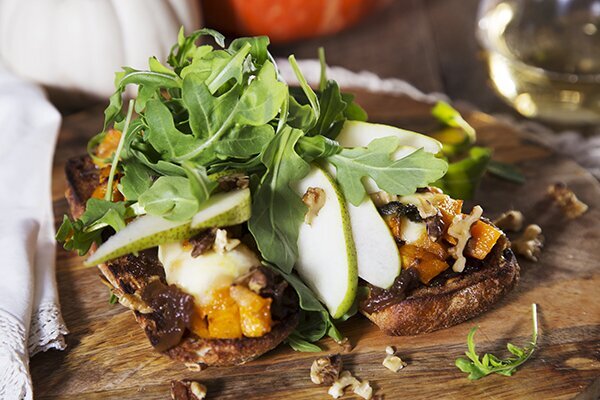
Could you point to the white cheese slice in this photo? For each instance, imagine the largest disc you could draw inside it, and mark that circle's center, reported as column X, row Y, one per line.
column 197, row 276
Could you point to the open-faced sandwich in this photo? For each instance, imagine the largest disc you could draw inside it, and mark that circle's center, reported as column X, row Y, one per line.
column 231, row 212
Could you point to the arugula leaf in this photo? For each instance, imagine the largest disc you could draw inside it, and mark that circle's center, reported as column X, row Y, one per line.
column 315, row 147
column 200, row 183
column 244, row 141
column 180, row 54
column 258, row 104
column 315, row 320
column 82, row 233
column 463, row 176
column 332, row 108
column 170, row 197
column 277, row 211
column 308, row 92
column 353, row 111
column 137, row 178
column 400, row 177
column 258, row 48
column 489, row 363
column 505, row 171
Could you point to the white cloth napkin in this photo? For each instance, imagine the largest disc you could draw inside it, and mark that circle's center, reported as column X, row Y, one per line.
column 30, row 318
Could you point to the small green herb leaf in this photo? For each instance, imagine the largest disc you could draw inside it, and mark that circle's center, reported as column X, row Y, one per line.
column 489, row 363
column 505, row 171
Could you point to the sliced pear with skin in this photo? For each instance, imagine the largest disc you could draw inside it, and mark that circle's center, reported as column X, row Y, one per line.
column 360, row 134
column 222, row 209
column 327, row 256
column 377, row 255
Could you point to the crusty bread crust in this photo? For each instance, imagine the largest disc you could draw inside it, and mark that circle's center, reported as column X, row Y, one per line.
column 130, row 273
column 428, row 309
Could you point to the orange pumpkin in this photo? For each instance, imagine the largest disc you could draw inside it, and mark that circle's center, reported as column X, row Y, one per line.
column 285, row 20
column 428, row 265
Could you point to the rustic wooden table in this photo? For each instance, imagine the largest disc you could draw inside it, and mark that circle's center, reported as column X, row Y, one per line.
column 429, row 43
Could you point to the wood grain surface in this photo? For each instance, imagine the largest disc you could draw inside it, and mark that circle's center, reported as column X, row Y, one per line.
column 109, row 357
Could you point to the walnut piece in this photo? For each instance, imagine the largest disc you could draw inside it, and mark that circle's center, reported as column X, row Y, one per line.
column 326, row 370
column 187, row 390
column 222, row 243
column 314, row 198
column 530, row 244
column 362, row 389
column 510, row 221
column 568, row 202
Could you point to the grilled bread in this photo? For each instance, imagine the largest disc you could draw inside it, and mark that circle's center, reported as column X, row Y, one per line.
column 139, row 282
column 449, row 300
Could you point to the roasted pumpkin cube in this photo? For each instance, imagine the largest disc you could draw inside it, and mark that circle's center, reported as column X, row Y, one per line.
column 223, row 315
column 255, row 311
column 483, row 238
column 428, row 264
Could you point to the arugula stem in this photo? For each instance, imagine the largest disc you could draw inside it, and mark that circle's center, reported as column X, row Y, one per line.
column 113, row 166
column 323, row 77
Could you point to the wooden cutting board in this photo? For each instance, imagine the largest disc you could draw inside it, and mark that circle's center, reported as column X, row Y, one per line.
column 108, row 355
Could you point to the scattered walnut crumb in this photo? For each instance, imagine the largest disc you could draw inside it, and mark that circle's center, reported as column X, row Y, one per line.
column 314, row 198
column 382, row 198
column 187, row 390
column 362, row 389
column 564, row 197
column 393, row 363
column 195, row 367
column 326, row 370
column 510, row 221
column 222, row 243
column 530, row 244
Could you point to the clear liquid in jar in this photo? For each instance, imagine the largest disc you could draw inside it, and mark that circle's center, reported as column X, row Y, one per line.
column 544, row 57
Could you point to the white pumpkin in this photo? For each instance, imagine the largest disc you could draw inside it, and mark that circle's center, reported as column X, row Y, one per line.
column 79, row 44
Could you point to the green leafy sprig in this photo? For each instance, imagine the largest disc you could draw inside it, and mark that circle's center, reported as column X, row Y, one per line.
column 478, row 367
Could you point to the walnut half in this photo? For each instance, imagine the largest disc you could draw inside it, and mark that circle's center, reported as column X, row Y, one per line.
column 564, row 197
column 314, row 198
column 326, row 370
column 530, row 244
column 510, row 221
column 187, row 390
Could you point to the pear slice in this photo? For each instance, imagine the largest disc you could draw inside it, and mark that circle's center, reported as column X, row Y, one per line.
column 377, row 254
column 327, row 256
column 222, row 209
column 360, row 134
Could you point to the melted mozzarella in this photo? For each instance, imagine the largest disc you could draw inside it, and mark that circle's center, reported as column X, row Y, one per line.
column 198, row 276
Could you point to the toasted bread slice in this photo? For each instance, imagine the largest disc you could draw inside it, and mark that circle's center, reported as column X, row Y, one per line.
column 130, row 274
column 453, row 300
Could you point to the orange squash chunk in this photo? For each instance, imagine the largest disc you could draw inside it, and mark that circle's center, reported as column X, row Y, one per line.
column 223, row 315
column 199, row 323
column 483, row 238
column 108, row 145
column 428, row 265
column 449, row 208
column 255, row 311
